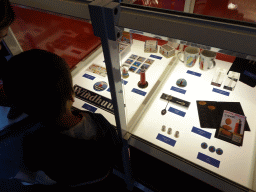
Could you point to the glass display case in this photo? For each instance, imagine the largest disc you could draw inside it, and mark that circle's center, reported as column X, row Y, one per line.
column 179, row 86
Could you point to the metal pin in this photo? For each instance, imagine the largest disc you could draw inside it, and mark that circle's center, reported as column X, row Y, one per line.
column 169, row 131
column 163, row 128
column 176, row 134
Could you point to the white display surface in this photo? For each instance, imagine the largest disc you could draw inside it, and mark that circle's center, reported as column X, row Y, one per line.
column 236, row 163
column 132, row 100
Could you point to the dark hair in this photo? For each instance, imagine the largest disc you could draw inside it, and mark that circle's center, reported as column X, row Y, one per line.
column 38, row 82
column 7, row 14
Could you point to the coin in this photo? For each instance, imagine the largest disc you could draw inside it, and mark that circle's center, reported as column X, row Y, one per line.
column 212, row 149
column 181, row 83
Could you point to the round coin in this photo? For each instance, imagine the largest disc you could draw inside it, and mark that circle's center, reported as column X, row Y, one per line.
column 100, row 86
column 212, row 149
column 204, row 145
column 219, row 151
column 181, row 82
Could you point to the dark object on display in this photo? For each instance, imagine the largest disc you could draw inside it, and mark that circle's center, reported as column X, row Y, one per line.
column 210, row 113
column 163, row 112
column 175, row 100
column 247, row 69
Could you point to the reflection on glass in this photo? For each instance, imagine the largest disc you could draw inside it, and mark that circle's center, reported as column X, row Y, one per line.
column 231, row 9
column 177, row 5
column 69, row 38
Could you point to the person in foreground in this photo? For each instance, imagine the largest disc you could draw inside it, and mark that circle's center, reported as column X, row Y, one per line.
column 7, row 17
column 73, row 146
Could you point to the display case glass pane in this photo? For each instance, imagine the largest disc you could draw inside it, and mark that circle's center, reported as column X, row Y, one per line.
column 177, row 5
column 70, row 38
column 184, row 105
column 73, row 40
column 230, row 9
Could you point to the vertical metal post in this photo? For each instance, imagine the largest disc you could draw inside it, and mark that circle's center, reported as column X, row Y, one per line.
column 104, row 17
column 189, row 6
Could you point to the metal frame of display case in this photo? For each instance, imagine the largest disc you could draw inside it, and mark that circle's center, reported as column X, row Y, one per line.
column 12, row 43
column 184, row 28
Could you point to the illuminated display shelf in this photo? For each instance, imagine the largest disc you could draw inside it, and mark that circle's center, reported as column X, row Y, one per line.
column 188, row 145
column 236, row 162
column 133, row 100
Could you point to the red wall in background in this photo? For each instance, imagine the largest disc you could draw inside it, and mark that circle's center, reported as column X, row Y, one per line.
column 71, row 39
column 177, row 5
column 206, row 7
column 245, row 10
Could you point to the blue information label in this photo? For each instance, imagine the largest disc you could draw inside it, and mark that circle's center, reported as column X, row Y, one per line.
column 249, row 74
column 194, row 73
column 124, row 82
column 155, row 56
column 139, row 92
column 201, row 132
column 178, row 90
column 89, row 107
column 209, row 160
column 88, row 76
column 220, row 92
column 176, row 111
column 166, row 140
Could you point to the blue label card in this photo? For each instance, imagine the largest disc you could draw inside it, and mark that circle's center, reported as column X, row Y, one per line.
column 194, row 73
column 201, row 132
column 139, row 92
column 124, row 82
column 89, row 76
column 89, row 107
column 209, row 160
column 178, row 90
column 176, row 111
column 155, row 56
column 220, row 92
column 166, row 140
column 249, row 74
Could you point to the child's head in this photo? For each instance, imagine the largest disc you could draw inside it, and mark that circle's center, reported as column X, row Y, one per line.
column 38, row 82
